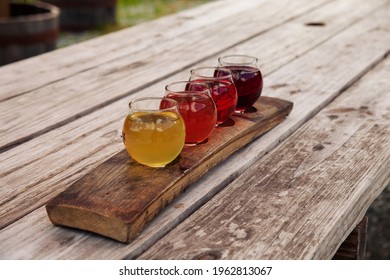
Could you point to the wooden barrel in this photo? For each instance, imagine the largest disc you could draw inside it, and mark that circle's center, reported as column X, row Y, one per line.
column 31, row 29
column 80, row 15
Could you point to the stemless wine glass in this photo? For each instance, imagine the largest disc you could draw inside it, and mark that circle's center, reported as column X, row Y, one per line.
column 247, row 78
column 197, row 108
column 153, row 131
column 222, row 89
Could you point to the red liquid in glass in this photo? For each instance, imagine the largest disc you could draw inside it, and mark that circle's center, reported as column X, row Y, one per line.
column 249, row 84
column 225, row 97
column 199, row 114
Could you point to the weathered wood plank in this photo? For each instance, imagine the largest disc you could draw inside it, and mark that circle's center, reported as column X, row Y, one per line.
column 305, row 197
column 120, row 196
column 78, row 58
column 30, row 184
column 71, row 244
column 26, row 116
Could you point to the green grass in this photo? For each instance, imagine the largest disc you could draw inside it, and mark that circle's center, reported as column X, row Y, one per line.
column 129, row 13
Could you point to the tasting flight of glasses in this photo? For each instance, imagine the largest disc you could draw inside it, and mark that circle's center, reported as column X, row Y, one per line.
column 156, row 129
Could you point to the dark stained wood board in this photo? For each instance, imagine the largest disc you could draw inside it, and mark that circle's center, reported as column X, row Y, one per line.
column 120, row 196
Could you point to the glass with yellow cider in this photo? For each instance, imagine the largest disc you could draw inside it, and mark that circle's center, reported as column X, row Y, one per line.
column 153, row 131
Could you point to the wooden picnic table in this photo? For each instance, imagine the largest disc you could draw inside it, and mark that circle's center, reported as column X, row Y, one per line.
column 295, row 192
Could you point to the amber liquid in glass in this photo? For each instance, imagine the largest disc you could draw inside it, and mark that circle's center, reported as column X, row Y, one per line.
column 154, row 139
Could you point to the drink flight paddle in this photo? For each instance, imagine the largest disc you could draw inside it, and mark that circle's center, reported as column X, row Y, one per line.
column 156, row 129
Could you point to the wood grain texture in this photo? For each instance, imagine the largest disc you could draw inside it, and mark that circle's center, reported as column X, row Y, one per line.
column 120, row 196
column 29, row 184
column 78, row 58
column 304, row 198
column 322, row 60
column 26, row 116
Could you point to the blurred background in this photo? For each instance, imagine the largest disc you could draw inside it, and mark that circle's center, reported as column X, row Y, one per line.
column 30, row 27
column 129, row 13
column 378, row 232
column 43, row 29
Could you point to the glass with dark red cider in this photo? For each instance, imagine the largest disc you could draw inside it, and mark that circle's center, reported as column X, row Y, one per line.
column 247, row 78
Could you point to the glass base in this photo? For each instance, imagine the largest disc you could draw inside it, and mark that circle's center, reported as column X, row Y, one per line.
column 250, row 109
column 153, row 165
column 191, row 144
column 227, row 123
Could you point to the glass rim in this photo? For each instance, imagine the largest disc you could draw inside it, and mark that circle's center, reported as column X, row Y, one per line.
column 173, row 107
column 254, row 60
column 230, row 75
column 169, row 90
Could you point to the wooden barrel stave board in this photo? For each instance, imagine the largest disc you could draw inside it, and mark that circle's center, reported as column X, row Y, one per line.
column 120, row 196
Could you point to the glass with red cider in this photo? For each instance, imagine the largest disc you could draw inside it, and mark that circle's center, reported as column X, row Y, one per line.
column 221, row 87
column 197, row 108
column 247, row 78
